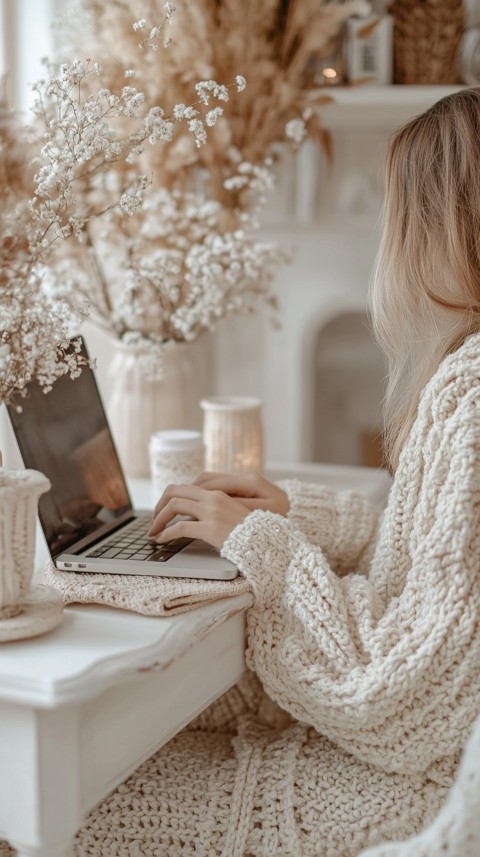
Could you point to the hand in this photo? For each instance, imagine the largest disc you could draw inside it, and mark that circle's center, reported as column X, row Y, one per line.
column 212, row 515
column 251, row 490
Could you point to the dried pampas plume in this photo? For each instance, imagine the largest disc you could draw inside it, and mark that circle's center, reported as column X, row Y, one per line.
column 270, row 43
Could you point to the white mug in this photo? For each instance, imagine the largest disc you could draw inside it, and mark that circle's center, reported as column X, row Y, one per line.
column 177, row 456
column 20, row 491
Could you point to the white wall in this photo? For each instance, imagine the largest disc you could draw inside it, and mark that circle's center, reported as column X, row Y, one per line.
column 26, row 37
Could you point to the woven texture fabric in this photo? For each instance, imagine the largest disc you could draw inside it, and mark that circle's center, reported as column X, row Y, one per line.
column 152, row 596
column 426, row 40
column 455, row 832
column 129, row 824
column 364, row 681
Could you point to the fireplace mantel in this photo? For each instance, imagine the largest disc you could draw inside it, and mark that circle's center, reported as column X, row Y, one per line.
column 377, row 107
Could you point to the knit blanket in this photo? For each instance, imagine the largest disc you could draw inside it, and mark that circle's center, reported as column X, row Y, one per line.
column 152, row 596
column 455, row 831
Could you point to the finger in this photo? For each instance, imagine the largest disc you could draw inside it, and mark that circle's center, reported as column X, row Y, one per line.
column 175, row 506
column 236, row 485
column 254, row 503
column 183, row 530
column 206, row 476
column 188, row 492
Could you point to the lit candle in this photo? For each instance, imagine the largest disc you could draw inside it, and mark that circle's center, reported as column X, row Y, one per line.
column 232, row 434
column 330, row 76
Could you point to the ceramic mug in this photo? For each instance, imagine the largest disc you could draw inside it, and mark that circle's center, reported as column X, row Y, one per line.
column 20, row 491
column 177, row 456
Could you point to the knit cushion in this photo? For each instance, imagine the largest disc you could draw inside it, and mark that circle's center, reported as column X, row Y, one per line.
column 152, row 596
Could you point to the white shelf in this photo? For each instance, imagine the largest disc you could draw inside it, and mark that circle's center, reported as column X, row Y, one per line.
column 372, row 107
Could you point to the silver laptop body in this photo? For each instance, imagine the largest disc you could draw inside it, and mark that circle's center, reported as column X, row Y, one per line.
column 87, row 517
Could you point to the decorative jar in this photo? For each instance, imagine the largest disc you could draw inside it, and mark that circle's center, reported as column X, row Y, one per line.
column 233, row 434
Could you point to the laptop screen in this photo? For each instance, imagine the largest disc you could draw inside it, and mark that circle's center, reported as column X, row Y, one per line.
column 65, row 435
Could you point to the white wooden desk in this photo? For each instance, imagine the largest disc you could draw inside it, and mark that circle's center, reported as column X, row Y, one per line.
column 83, row 706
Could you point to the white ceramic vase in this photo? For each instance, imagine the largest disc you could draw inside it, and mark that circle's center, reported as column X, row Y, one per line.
column 19, row 494
column 138, row 406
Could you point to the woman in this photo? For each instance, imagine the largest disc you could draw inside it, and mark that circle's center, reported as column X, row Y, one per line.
column 364, row 637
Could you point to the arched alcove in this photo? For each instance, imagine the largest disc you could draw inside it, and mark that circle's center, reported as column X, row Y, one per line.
column 348, row 391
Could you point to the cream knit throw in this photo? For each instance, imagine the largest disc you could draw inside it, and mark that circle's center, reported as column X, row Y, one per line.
column 455, row 832
column 152, row 596
column 365, row 637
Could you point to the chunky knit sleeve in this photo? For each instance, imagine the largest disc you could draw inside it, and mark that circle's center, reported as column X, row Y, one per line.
column 385, row 665
column 343, row 523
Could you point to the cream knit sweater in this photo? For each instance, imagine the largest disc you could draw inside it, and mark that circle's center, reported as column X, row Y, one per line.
column 364, row 651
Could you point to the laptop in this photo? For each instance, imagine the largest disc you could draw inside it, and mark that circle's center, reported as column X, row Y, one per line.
column 88, row 519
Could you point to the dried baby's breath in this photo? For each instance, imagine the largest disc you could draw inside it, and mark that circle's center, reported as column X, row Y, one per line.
column 150, row 166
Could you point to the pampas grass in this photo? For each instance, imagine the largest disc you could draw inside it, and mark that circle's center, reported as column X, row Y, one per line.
column 271, row 43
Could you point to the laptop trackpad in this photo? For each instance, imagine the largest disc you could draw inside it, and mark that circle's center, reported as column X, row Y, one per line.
column 199, row 554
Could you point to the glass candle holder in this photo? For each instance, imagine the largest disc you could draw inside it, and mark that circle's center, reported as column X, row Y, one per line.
column 177, row 457
column 232, row 434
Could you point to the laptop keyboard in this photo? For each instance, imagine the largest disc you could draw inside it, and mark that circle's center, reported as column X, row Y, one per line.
column 132, row 543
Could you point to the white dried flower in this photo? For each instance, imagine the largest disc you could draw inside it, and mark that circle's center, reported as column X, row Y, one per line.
column 295, row 130
column 235, row 182
column 139, row 25
column 240, row 82
column 185, row 272
column 197, row 129
column 213, row 115
column 179, row 111
column 208, row 89
column 156, row 265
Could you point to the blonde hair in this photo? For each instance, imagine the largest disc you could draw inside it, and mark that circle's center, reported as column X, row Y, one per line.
column 425, row 295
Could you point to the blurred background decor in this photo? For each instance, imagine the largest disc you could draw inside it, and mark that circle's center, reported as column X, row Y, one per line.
column 233, row 434
column 470, row 45
column 34, row 333
column 426, row 40
column 272, row 44
column 320, row 375
column 138, row 265
column 156, row 243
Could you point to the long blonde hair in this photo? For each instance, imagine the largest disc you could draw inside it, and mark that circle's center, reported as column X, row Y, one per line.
column 425, row 295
